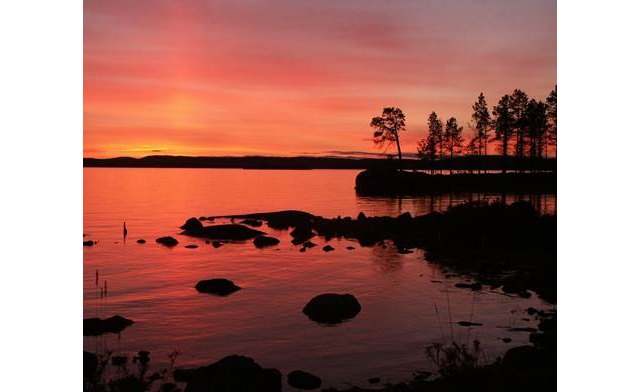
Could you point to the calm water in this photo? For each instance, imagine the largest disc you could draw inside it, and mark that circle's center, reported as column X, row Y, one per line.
column 153, row 285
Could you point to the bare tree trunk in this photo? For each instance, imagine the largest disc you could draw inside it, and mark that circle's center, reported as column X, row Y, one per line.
column 504, row 154
column 399, row 151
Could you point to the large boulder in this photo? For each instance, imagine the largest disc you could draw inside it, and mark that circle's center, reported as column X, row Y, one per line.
column 225, row 232
column 192, row 225
column 218, row 286
column 332, row 308
column 97, row 326
column 302, row 380
column 521, row 358
column 263, row 241
column 301, row 234
column 234, row 373
column 167, row 241
column 281, row 220
column 89, row 365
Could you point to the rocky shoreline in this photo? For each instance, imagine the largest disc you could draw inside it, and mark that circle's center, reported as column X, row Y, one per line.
column 383, row 182
column 498, row 246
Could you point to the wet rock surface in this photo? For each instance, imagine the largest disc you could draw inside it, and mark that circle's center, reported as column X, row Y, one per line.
column 264, row 241
column 167, row 241
column 303, row 380
column 217, row 286
column 234, row 373
column 332, row 308
column 98, row 326
column 231, row 231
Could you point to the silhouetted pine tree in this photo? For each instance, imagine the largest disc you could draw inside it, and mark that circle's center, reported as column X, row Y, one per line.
column 429, row 148
column 503, row 124
column 387, row 129
column 536, row 127
column 552, row 119
column 482, row 121
column 453, row 137
column 518, row 102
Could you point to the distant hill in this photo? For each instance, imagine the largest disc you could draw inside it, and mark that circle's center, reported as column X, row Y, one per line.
column 491, row 162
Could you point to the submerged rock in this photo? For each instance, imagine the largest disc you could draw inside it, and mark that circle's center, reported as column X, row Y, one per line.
column 473, row 286
column 234, row 373
column 302, row 380
column 191, row 246
column 523, row 329
column 469, row 324
column 332, row 308
column 351, row 247
column 264, row 241
column 216, row 244
column 219, row 286
column 88, row 243
column 328, row 248
column 309, row 244
column 141, row 241
column 167, row 241
column 97, row 326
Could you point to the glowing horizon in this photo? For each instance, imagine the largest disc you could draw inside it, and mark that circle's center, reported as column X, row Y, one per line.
column 289, row 78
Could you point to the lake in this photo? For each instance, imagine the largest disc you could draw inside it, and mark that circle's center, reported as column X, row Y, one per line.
column 407, row 302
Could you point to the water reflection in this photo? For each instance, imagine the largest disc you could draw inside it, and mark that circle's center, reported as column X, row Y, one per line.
column 544, row 203
column 385, row 256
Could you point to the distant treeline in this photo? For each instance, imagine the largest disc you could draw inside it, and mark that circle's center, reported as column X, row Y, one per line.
column 460, row 163
column 520, row 127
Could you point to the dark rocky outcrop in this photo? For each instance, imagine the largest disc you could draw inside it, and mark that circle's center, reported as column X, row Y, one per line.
column 328, row 248
column 88, row 243
column 332, row 308
column 264, row 241
column 216, row 244
column 301, row 234
column 252, row 222
column 192, row 225
column 141, row 241
column 303, row 380
column 191, row 246
column 280, row 220
column 234, row 373
column 218, row 286
column 89, row 365
column 97, row 326
column 167, row 241
column 394, row 182
column 220, row 232
column 521, row 358
column 309, row 244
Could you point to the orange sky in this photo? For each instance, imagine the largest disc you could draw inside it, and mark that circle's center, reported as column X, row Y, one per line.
column 293, row 77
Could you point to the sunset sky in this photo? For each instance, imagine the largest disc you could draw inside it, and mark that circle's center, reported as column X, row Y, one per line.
column 238, row 77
